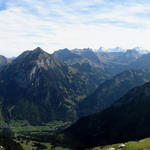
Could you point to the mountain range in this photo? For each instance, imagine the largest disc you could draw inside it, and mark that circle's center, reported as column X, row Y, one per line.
column 107, row 62
column 107, row 91
column 38, row 88
column 119, row 108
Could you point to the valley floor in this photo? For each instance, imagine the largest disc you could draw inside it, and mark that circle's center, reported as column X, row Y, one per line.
column 39, row 137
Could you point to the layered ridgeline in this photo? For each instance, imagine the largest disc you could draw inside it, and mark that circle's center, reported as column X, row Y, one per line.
column 37, row 87
column 99, row 62
column 116, row 62
column 111, row 90
column 127, row 119
column 141, row 63
column 87, row 62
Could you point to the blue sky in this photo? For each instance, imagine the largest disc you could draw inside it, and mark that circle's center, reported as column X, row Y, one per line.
column 55, row 24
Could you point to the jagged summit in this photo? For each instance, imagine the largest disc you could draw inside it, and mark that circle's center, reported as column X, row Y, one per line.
column 65, row 54
column 37, row 57
column 38, row 49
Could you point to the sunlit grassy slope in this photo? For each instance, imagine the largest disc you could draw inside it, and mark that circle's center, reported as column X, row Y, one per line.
column 143, row 144
column 132, row 145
